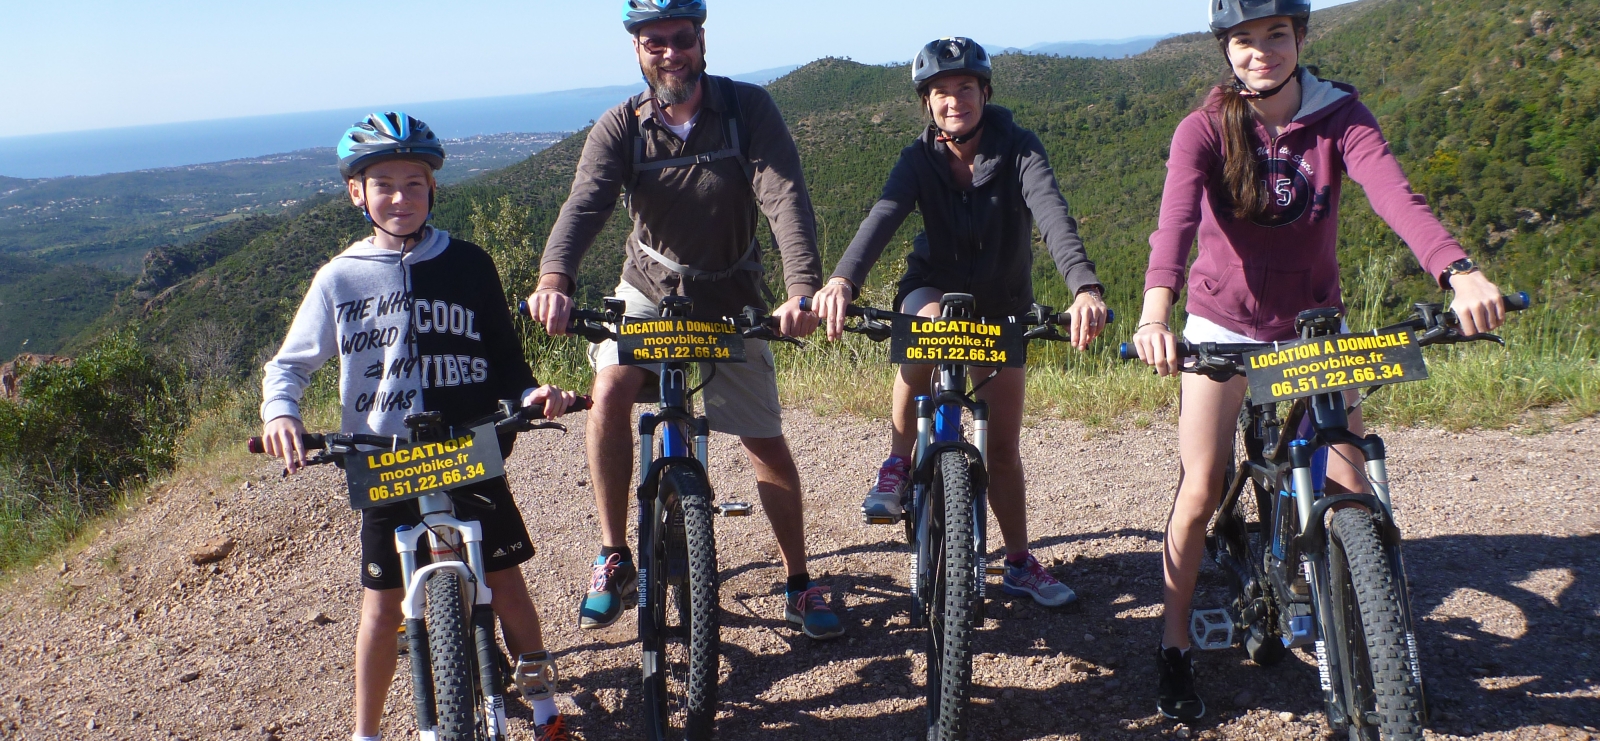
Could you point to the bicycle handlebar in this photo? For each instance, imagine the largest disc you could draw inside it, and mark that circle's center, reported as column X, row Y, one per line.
column 1437, row 327
column 523, row 420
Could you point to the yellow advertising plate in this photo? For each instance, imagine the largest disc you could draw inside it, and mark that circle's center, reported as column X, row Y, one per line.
column 964, row 341
column 652, row 341
column 1322, row 365
column 379, row 477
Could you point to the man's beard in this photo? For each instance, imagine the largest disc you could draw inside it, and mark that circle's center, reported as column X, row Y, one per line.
column 671, row 90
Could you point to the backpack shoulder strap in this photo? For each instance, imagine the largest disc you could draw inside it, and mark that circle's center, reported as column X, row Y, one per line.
column 733, row 128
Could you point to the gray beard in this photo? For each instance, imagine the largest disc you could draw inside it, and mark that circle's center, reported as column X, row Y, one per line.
column 668, row 92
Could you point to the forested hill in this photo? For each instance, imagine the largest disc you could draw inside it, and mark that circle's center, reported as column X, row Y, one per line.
column 1493, row 108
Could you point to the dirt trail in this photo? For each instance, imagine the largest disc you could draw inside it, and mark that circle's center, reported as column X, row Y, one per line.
column 132, row 641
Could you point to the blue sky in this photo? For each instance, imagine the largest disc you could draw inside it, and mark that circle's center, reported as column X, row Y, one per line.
column 93, row 64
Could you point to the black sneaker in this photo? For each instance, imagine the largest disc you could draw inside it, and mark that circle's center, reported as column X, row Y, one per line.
column 1176, row 697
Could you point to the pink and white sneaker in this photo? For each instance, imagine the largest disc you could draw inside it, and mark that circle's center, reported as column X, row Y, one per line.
column 1031, row 580
column 887, row 495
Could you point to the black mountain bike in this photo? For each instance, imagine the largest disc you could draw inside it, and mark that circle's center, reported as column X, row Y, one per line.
column 458, row 672
column 1307, row 568
column 946, row 517
column 679, row 628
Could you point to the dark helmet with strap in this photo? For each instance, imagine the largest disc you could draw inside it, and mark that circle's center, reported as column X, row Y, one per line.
column 948, row 56
column 636, row 13
column 388, row 136
column 1225, row 14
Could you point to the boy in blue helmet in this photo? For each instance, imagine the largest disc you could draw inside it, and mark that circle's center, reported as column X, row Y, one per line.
column 419, row 323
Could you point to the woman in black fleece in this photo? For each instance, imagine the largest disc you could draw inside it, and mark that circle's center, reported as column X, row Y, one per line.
column 981, row 183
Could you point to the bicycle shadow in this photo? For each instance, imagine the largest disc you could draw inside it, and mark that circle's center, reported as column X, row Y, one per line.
column 1512, row 611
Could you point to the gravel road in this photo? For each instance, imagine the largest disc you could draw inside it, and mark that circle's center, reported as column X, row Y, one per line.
column 126, row 638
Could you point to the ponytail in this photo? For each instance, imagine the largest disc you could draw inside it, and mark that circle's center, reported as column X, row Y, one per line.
column 1245, row 191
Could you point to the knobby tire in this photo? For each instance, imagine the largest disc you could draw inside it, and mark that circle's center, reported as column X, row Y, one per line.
column 681, row 698
column 952, row 608
column 1369, row 634
column 451, row 648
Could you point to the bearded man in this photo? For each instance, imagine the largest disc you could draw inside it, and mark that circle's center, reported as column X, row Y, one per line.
column 700, row 158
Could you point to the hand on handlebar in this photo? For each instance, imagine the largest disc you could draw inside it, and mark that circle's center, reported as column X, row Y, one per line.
column 554, row 401
column 551, row 308
column 832, row 304
column 793, row 320
column 1478, row 305
column 1088, row 319
column 1158, row 348
column 281, row 438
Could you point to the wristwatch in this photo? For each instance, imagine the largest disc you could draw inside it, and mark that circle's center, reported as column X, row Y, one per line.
column 1459, row 267
column 1094, row 288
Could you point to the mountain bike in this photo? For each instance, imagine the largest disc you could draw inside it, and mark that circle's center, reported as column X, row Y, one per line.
column 1311, row 569
column 946, row 515
column 458, row 673
column 679, row 628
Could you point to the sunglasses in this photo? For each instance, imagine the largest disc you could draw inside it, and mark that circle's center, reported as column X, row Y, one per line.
column 683, row 41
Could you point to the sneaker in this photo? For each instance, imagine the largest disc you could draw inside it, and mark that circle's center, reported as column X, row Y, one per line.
column 1176, row 696
column 555, row 730
column 613, row 587
column 809, row 610
column 1031, row 580
column 886, row 496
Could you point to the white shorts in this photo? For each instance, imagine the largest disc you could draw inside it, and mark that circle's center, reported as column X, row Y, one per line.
column 1197, row 329
column 741, row 400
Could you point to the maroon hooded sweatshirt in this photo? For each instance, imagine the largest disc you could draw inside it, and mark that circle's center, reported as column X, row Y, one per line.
column 1254, row 277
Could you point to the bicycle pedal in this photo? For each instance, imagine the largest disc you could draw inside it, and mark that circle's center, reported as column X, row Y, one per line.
column 998, row 569
column 880, row 519
column 1211, row 630
column 734, row 509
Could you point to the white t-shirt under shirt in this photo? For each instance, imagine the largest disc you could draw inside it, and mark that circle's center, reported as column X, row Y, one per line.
column 683, row 130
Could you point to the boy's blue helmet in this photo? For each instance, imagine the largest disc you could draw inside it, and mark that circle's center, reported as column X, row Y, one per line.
column 1225, row 14
column 949, row 56
column 388, row 136
column 636, row 13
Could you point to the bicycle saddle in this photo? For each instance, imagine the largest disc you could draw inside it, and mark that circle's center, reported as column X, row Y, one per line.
column 676, row 306
column 958, row 304
column 1326, row 320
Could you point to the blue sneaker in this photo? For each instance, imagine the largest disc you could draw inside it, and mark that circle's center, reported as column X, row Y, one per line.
column 809, row 610
column 1031, row 580
column 613, row 587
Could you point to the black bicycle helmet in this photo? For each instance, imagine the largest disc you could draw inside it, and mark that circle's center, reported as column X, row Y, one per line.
column 388, row 136
column 636, row 13
column 1225, row 14
column 950, row 56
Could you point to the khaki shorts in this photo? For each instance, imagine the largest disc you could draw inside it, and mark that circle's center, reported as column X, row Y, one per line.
column 742, row 399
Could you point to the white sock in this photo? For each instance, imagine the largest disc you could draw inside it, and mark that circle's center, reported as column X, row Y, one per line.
column 375, row 737
column 545, row 711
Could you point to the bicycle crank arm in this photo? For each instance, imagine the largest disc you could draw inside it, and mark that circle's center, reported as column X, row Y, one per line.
column 734, row 509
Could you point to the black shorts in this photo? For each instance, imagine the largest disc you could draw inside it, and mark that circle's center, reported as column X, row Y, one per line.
column 505, row 537
column 989, row 307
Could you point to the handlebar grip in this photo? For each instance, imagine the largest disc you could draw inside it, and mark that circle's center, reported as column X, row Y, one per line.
column 523, row 310
column 1127, row 351
column 805, row 303
column 1111, row 316
column 1518, row 302
column 309, row 441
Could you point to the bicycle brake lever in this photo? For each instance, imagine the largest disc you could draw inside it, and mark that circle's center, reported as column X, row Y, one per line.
column 1044, row 332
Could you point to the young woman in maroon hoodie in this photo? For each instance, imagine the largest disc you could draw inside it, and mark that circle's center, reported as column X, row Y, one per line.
column 1254, row 175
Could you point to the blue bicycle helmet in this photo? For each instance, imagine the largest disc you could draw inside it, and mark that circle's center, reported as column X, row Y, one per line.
column 1225, row 14
column 387, row 136
column 636, row 13
column 947, row 56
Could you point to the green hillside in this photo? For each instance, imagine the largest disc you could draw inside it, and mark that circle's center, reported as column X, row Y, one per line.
column 1492, row 108
column 43, row 305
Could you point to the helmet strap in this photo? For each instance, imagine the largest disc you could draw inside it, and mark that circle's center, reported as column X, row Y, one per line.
column 941, row 135
column 1244, row 90
column 414, row 237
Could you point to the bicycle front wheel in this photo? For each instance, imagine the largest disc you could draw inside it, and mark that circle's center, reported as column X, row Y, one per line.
column 952, row 610
column 451, row 653
column 682, row 653
column 1381, row 694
